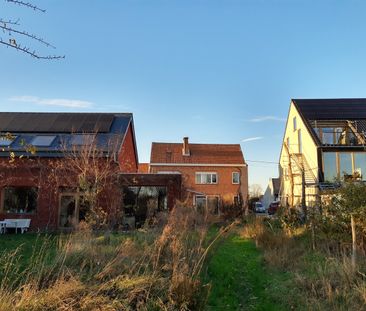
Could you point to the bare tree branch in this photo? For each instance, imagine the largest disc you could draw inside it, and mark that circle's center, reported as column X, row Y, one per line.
column 9, row 22
column 13, row 32
column 24, row 33
column 27, row 4
column 26, row 50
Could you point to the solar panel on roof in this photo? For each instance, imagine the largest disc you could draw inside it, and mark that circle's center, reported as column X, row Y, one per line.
column 336, row 109
column 55, row 122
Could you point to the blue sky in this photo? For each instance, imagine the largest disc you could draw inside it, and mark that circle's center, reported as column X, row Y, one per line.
column 216, row 71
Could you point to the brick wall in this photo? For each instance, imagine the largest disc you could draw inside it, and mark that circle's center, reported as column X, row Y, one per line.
column 224, row 187
column 37, row 172
column 127, row 155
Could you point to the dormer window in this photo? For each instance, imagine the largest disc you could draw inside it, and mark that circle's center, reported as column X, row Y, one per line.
column 6, row 141
column 43, row 140
column 82, row 139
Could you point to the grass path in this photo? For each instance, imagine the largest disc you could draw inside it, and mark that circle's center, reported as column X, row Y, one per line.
column 239, row 279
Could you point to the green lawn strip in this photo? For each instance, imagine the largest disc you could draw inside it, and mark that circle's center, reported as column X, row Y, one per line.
column 239, row 279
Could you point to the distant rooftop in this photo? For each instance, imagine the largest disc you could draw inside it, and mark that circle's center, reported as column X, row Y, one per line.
column 199, row 153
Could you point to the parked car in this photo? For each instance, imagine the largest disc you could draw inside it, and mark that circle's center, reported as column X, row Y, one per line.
column 273, row 207
column 259, row 208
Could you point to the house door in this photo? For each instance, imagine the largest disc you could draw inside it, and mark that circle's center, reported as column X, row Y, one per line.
column 68, row 209
column 73, row 209
column 213, row 204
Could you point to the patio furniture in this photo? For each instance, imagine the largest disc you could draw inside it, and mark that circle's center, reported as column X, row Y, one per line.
column 22, row 224
column 2, row 227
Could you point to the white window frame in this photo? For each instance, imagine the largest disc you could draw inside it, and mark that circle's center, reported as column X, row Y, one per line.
column 206, row 183
column 294, row 123
column 232, row 178
column 206, row 197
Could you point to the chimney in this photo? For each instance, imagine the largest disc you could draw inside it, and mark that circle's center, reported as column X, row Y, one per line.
column 185, row 150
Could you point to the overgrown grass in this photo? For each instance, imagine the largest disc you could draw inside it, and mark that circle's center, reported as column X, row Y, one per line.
column 318, row 279
column 154, row 269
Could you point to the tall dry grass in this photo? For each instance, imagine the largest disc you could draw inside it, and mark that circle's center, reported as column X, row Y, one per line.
column 153, row 269
column 321, row 279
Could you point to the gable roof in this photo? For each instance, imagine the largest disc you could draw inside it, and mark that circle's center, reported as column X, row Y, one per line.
column 199, row 154
column 108, row 129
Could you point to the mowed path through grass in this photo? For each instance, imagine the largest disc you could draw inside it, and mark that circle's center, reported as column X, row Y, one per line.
column 239, row 280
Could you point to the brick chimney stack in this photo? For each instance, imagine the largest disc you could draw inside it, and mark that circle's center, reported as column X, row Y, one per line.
column 185, row 150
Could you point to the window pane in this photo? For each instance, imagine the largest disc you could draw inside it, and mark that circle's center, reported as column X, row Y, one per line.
column 360, row 164
column 198, row 178
column 20, row 199
column 339, row 136
column 295, row 125
column 330, row 166
column 208, row 178
column 345, row 164
column 43, row 141
column 214, row 178
column 200, row 203
column 352, row 139
column 328, row 136
column 235, row 178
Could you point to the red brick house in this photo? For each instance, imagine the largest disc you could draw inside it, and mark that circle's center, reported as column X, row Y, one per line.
column 213, row 175
column 41, row 142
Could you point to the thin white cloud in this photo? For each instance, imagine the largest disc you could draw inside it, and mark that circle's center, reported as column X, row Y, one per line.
column 267, row 118
column 245, row 140
column 56, row 102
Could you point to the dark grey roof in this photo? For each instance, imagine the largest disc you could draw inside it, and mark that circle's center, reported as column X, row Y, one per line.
column 332, row 109
column 109, row 129
column 31, row 122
